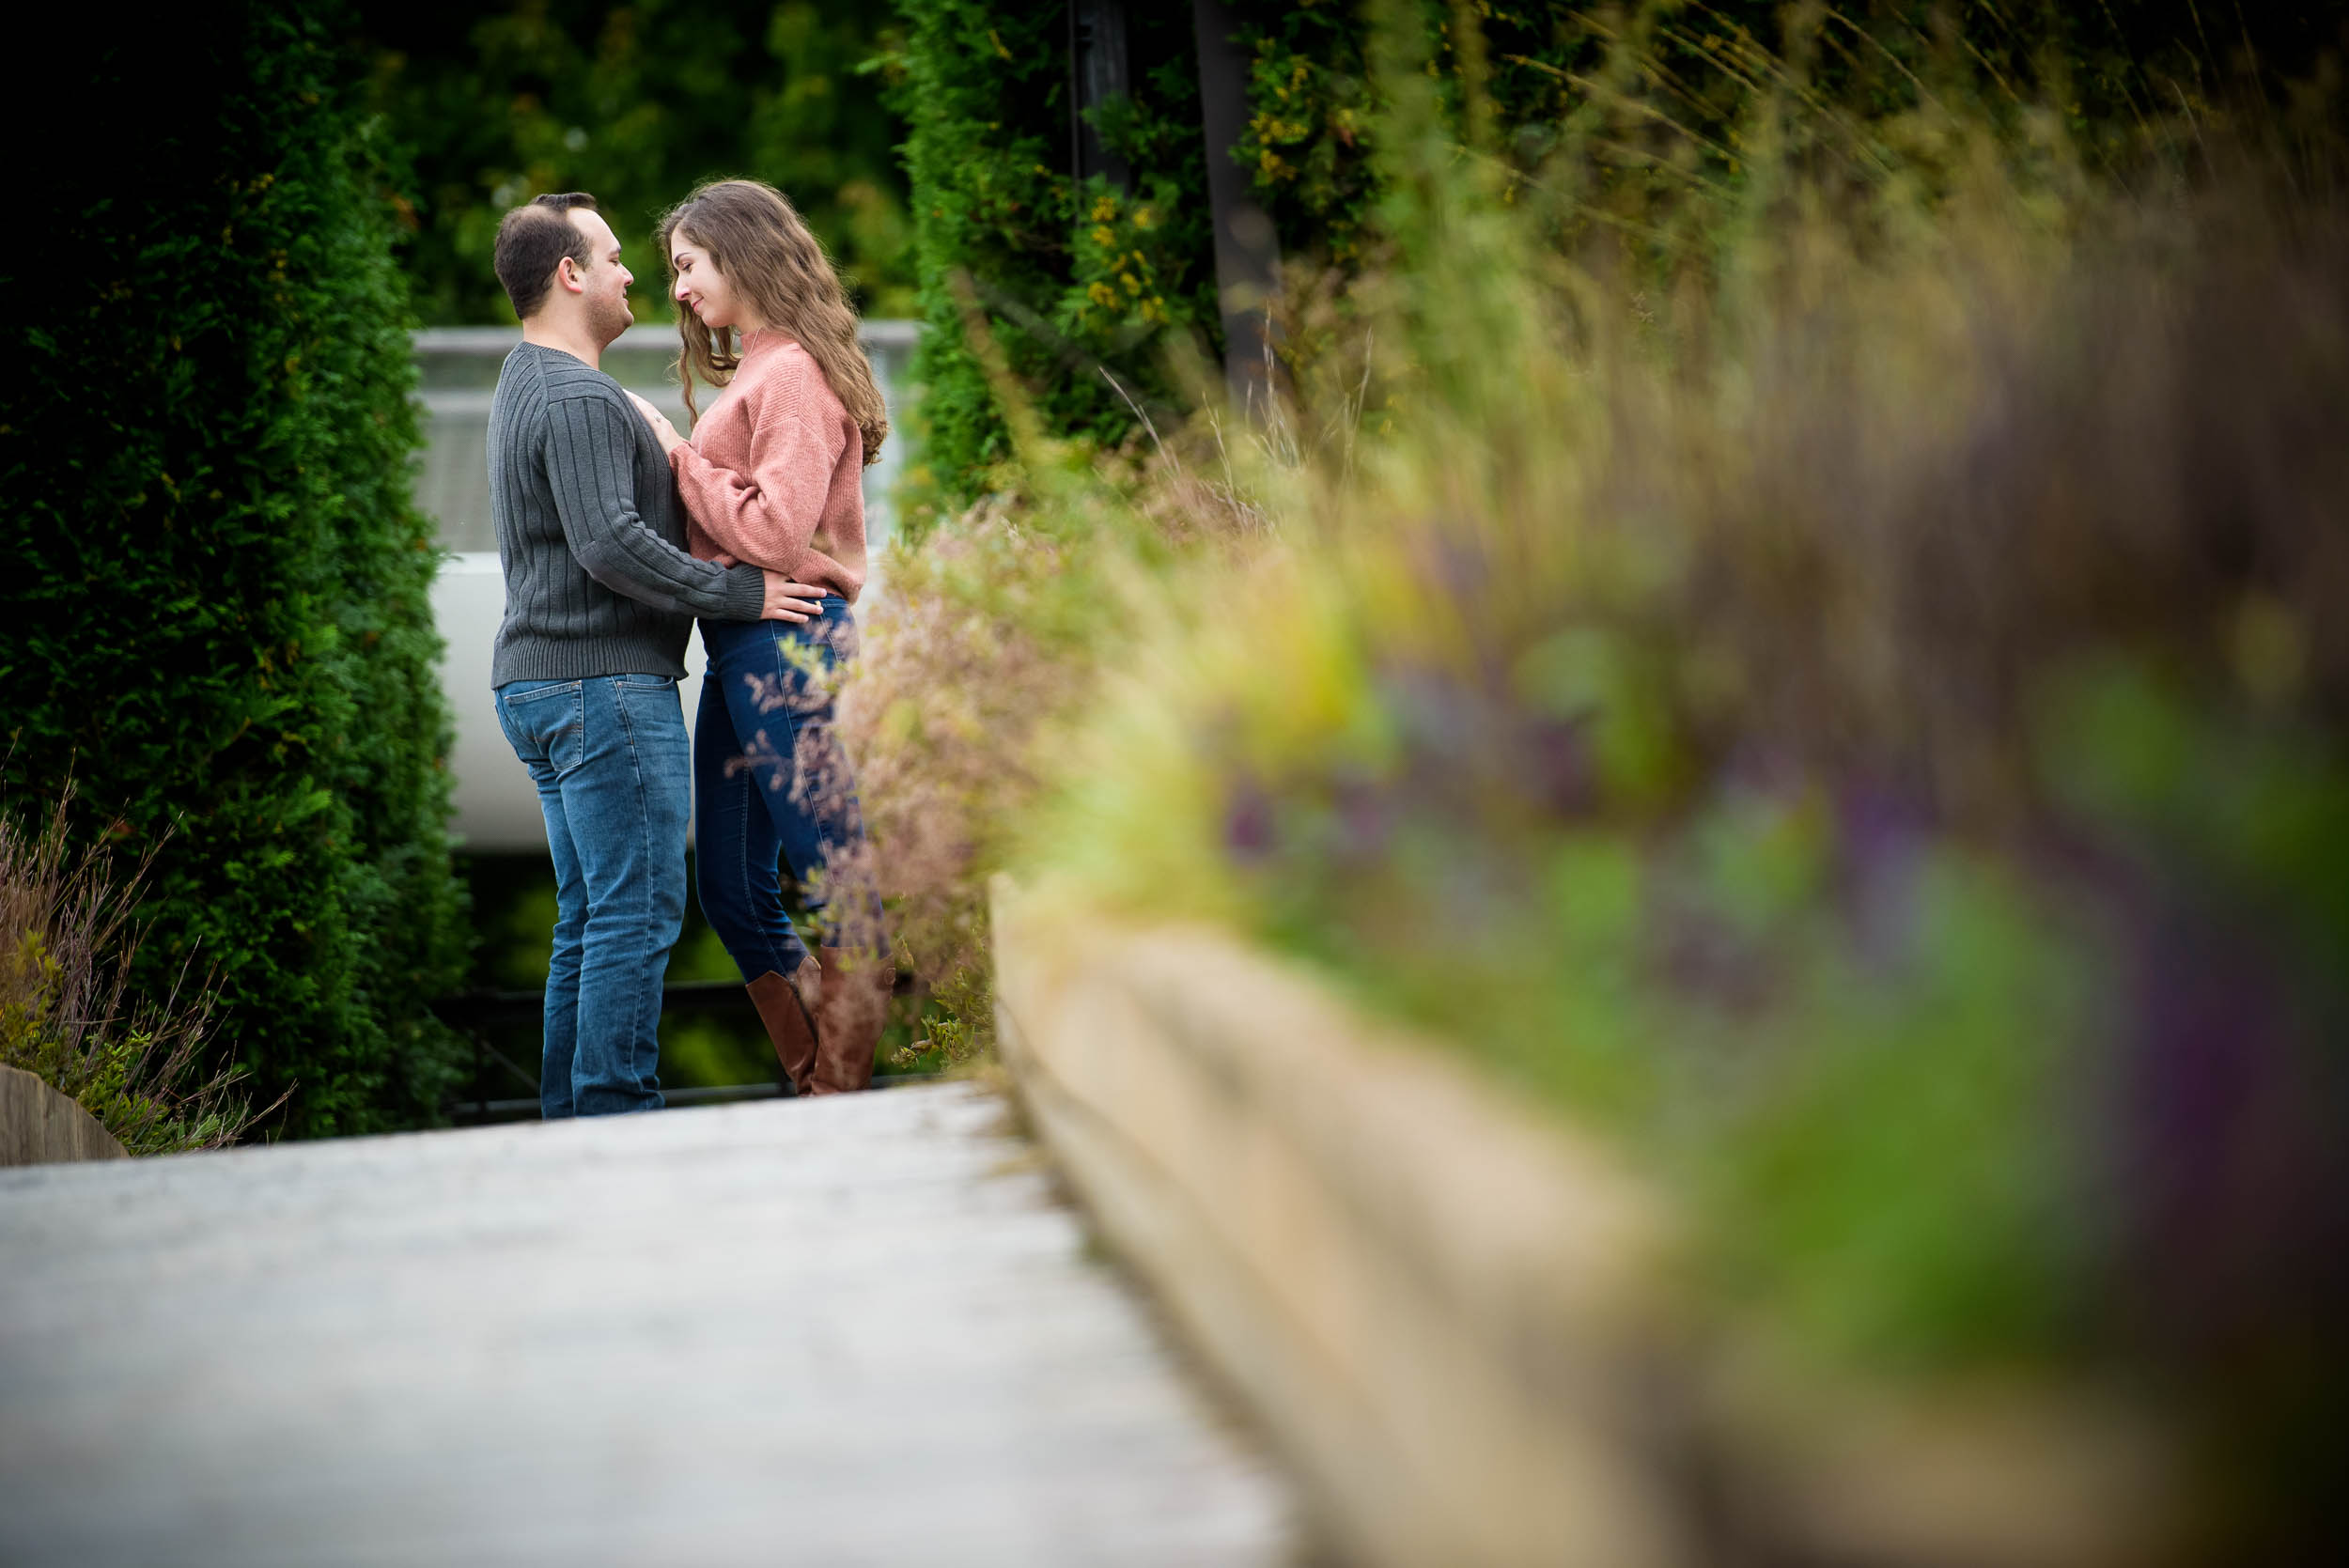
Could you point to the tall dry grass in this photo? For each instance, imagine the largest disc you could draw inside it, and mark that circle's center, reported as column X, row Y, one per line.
column 990, row 642
column 65, row 944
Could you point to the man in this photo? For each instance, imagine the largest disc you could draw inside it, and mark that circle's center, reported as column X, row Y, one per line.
column 599, row 597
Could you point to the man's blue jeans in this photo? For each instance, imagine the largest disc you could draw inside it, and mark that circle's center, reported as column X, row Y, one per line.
column 614, row 770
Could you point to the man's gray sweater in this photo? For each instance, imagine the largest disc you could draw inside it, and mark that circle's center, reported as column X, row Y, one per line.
column 590, row 533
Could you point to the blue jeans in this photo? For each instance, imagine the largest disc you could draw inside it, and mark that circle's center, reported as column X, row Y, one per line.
column 611, row 763
column 772, row 792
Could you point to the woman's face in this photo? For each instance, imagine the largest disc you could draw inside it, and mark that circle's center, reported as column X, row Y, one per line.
column 702, row 289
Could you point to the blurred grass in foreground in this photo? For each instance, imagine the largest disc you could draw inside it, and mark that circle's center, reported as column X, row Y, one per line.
column 1836, row 677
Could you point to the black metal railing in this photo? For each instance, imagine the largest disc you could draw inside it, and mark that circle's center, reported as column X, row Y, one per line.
column 475, row 1014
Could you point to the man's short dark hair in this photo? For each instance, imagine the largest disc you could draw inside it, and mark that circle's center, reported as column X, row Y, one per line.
column 532, row 239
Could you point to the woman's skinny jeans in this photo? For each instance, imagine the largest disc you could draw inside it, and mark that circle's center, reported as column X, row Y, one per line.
column 772, row 794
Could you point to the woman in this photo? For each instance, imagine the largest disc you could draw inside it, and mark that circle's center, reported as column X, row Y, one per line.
column 774, row 476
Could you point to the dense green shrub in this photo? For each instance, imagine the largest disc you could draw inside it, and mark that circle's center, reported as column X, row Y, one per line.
column 634, row 101
column 218, row 617
column 1072, row 279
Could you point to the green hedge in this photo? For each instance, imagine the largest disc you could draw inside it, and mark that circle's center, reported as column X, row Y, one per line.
column 1073, row 279
column 219, row 624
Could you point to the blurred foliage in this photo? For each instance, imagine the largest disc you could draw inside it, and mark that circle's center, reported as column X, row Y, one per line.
column 1819, row 654
column 219, row 624
column 2112, row 71
column 636, row 102
column 988, row 636
column 1072, row 279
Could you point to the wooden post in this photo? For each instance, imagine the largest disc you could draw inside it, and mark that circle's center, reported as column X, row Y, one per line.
column 40, row 1126
column 1246, row 251
column 1097, row 73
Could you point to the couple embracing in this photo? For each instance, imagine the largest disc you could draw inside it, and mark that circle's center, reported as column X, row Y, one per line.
column 615, row 534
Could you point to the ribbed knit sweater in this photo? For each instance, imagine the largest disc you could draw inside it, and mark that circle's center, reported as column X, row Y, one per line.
column 775, row 475
column 597, row 580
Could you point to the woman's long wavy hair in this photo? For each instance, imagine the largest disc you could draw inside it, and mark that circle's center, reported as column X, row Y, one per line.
column 754, row 235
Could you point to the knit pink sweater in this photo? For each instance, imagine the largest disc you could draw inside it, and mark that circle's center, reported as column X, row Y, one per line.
column 775, row 475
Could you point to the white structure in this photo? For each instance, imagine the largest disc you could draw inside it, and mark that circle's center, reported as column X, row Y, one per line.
column 496, row 807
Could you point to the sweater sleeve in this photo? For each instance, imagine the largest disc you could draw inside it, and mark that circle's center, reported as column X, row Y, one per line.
column 589, row 445
column 769, row 513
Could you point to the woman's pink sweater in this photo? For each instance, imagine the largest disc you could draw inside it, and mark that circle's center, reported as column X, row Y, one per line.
column 774, row 473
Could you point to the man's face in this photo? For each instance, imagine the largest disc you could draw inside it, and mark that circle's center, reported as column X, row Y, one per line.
column 604, row 280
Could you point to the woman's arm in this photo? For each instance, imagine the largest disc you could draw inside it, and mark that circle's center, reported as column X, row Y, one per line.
column 768, row 513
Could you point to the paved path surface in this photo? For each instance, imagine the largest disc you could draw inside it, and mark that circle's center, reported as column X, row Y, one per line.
column 849, row 1332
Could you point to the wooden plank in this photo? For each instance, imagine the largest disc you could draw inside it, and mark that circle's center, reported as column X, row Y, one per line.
column 39, row 1126
column 1441, row 1311
column 845, row 1331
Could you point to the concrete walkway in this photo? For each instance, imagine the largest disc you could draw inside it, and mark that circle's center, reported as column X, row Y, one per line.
column 845, row 1332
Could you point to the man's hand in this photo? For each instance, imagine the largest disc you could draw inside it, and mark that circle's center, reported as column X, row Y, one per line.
column 787, row 600
column 662, row 430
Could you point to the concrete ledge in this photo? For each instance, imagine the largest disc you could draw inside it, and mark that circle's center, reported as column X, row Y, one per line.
column 1458, row 1322
column 40, row 1126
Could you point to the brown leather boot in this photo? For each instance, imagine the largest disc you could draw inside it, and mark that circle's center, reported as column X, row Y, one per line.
column 786, row 1005
column 848, row 1019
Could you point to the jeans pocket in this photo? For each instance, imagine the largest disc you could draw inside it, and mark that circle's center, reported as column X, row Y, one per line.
column 837, row 633
column 546, row 723
column 654, row 718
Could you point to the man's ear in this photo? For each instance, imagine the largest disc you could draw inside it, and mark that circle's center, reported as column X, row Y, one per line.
column 569, row 275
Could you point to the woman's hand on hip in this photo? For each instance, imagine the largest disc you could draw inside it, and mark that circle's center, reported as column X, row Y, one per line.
column 662, row 430
column 787, row 600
